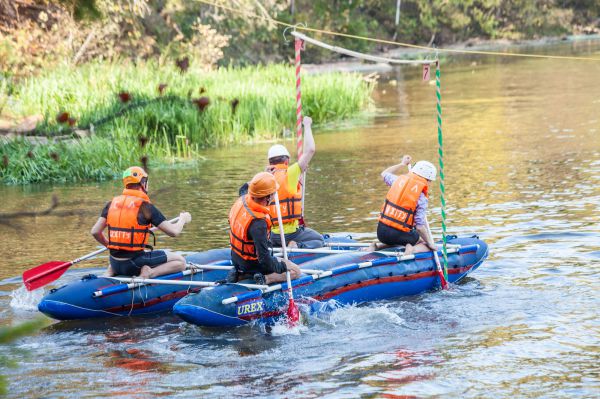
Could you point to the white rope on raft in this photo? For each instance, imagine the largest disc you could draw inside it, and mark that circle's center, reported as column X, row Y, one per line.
column 355, row 54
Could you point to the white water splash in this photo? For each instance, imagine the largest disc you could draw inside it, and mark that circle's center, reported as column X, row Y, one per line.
column 362, row 315
column 21, row 299
column 282, row 328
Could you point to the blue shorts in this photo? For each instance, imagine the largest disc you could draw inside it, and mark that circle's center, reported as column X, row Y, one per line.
column 132, row 267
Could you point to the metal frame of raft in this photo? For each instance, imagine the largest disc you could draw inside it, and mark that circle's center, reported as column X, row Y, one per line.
column 134, row 282
column 172, row 278
column 75, row 300
column 338, row 270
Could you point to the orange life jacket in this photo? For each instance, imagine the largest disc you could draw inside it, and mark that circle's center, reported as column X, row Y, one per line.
column 401, row 200
column 242, row 213
column 124, row 231
column 291, row 204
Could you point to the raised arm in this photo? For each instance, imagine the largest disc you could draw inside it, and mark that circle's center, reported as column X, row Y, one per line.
column 309, row 144
column 395, row 168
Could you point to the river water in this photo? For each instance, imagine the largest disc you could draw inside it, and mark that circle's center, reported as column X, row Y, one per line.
column 522, row 168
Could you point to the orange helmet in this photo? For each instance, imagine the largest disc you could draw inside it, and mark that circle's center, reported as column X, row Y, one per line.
column 262, row 185
column 133, row 175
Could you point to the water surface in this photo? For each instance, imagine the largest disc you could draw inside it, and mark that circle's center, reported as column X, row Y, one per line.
column 522, row 171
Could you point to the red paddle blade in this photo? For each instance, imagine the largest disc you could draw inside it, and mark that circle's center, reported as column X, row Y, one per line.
column 44, row 274
column 443, row 280
column 293, row 313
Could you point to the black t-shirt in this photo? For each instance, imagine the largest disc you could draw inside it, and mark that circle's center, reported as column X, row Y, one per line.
column 266, row 263
column 148, row 213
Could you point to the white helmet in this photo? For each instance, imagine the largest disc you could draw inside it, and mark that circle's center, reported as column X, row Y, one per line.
column 277, row 151
column 424, row 169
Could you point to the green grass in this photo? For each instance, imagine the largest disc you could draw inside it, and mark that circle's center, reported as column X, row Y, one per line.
column 88, row 159
column 172, row 123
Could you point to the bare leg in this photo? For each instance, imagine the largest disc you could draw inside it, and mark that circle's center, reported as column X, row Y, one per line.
column 376, row 246
column 281, row 277
column 175, row 263
column 417, row 248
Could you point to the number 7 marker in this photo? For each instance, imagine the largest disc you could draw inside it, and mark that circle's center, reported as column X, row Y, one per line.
column 425, row 72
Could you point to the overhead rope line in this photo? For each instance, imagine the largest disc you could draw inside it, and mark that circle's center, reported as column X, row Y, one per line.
column 383, row 41
column 356, row 54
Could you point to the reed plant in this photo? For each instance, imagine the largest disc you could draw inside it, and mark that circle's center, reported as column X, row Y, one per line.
column 176, row 112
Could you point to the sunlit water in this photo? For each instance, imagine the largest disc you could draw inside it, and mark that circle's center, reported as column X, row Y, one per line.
column 522, row 171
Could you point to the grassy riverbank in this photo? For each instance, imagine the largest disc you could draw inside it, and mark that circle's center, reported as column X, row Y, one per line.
column 191, row 111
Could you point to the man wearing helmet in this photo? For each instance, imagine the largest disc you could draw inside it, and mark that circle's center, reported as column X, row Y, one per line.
column 402, row 218
column 290, row 193
column 129, row 217
column 250, row 226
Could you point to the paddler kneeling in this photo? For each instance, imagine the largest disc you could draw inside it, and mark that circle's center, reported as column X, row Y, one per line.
column 290, row 193
column 402, row 218
column 250, row 226
column 129, row 217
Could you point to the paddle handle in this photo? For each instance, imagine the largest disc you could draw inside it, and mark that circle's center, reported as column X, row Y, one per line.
column 91, row 255
column 281, row 232
column 436, row 257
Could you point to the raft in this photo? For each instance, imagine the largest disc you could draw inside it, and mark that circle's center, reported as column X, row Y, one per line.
column 78, row 300
column 350, row 278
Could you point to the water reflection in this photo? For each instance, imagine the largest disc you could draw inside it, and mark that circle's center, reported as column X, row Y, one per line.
column 522, row 150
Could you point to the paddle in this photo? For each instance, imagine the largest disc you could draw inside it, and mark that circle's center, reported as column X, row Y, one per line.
column 51, row 271
column 438, row 267
column 292, row 313
column 437, row 259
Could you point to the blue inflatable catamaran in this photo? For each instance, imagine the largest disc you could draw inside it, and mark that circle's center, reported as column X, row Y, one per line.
column 339, row 273
column 94, row 296
column 350, row 278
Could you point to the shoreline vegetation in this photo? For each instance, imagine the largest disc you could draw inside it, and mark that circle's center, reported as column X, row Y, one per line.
column 95, row 120
column 89, row 87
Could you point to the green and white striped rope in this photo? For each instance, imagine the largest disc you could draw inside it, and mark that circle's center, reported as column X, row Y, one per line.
column 441, row 162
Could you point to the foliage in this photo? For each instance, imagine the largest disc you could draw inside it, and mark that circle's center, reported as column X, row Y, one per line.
column 88, row 159
column 421, row 21
column 240, row 105
column 75, row 31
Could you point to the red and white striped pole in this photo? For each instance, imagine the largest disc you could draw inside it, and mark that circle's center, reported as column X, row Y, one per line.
column 298, row 43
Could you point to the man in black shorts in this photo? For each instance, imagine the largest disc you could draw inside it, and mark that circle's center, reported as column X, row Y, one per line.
column 250, row 226
column 129, row 218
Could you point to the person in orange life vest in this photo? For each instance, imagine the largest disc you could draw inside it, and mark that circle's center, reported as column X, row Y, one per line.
column 290, row 181
column 402, row 218
column 129, row 217
column 250, row 225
